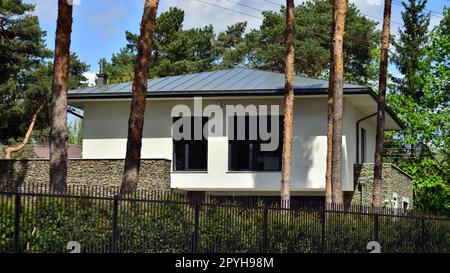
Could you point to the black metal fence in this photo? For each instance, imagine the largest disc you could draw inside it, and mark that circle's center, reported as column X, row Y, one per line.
column 34, row 220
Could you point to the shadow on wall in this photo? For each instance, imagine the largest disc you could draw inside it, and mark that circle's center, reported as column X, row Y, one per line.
column 395, row 183
column 304, row 166
column 154, row 175
column 12, row 174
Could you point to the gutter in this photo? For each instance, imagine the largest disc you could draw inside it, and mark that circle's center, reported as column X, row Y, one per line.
column 214, row 93
column 357, row 135
column 388, row 109
column 235, row 93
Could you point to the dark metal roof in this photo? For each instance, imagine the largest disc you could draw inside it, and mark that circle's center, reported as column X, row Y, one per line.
column 230, row 81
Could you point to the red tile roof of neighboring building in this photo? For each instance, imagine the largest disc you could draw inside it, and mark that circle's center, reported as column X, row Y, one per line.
column 43, row 151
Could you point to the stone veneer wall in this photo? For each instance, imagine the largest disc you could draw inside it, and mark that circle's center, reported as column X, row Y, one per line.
column 154, row 173
column 394, row 181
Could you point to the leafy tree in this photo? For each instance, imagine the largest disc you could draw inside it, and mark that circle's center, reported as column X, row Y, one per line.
column 76, row 132
column 410, row 47
column 428, row 122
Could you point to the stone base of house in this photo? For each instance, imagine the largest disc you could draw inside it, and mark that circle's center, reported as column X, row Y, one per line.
column 397, row 187
column 154, row 173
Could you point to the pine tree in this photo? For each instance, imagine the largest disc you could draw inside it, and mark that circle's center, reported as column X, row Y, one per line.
column 340, row 13
column 378, row 166
column 136, row 120
column 410, row 47
column 60, row 87
column 288, row 107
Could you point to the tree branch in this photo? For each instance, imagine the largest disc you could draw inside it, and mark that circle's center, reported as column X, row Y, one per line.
column 25, row 141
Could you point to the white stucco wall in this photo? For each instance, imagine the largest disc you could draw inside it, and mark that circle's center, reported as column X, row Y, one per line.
column 105, row 132
column 351, row 117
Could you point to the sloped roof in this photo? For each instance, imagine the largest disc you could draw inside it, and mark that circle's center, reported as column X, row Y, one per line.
column 43, row 151
column 229, row 81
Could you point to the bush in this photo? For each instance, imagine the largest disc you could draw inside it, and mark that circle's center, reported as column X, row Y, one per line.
column 167, row 225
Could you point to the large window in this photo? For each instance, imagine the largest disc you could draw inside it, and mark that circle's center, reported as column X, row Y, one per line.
column 246, row 154
column 190, row 154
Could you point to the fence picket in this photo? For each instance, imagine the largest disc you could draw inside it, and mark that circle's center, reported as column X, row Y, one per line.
column 38, row 220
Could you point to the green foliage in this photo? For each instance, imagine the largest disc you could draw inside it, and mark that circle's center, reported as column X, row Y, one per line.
column 25, row 153
column 312, row 42
column 21, row 98
column 76, row 132
column 180, row 51
column 26, row 72
column 230, row 46
column 410, row 47
column 167, row 226
column 176, row 50
column 428, row 122
column 21, row 40
column 231, row 229
column 22, row 49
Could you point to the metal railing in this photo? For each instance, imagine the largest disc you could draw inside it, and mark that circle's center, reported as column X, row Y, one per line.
column 35, row 220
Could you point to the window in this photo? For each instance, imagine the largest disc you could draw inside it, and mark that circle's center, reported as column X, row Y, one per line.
column 190, row 155
column 363, row 145
column 246, row 154
column 405, row 201
column 394, row 200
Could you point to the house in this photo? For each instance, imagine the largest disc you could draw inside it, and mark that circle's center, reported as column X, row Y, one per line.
column 218, row 163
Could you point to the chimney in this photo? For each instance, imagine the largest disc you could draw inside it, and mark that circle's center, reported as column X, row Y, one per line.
column 102, row 77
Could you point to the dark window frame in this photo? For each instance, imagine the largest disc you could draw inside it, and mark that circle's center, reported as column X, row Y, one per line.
column 251, row 147
column 185, row 144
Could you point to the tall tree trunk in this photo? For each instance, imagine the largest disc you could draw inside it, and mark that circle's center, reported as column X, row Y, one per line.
column 136, row 120
column 328, row 191
column 378, row 167
column 58, row 134
column 288, row 107
column 26, row 139
column 340, row 9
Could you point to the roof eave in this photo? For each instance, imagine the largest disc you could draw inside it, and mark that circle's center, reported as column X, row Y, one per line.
column 236, row 93
column 389, row 110
column 260, row 92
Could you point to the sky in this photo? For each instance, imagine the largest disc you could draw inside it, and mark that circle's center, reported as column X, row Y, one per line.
column 99, row 25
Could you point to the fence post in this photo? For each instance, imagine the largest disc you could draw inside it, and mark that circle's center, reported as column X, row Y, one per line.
column 375, row 226
column 422, row 237
column 196, row 227
column 323, row 218
column 265, row 226
column 16, row 222
column 114, row 224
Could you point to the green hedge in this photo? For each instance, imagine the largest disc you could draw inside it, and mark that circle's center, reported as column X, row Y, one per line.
column 47, row 224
